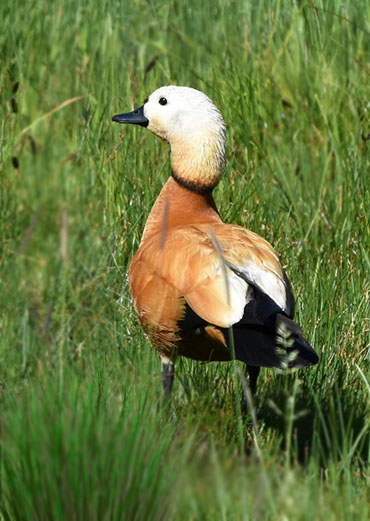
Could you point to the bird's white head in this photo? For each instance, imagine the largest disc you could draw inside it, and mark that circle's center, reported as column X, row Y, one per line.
column 195, row 129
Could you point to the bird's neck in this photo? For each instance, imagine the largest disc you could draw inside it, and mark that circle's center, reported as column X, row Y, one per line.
column 198, row 161
column 177, row 205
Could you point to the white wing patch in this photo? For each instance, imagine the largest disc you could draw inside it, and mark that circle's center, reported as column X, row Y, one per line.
column 267, row 281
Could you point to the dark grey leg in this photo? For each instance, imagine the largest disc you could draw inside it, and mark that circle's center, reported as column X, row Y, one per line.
column 253, row 372
column 168, row 375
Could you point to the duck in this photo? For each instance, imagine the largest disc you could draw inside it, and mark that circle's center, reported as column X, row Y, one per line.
column 202, row 288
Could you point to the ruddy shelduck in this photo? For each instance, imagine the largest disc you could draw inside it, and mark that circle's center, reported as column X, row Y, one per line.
column 202, row 288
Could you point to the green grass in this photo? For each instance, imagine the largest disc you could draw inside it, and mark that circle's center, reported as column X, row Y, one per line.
column 84, row 432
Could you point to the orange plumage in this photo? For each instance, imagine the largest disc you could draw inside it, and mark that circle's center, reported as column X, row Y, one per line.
column 194, row 276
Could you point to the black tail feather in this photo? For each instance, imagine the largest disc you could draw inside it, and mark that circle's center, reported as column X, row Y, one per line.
column 279, row 345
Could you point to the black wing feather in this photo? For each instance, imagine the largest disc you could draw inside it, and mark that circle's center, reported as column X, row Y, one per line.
column 256, row 337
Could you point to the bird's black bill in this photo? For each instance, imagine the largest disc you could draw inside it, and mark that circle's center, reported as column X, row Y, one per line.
column 136, row 117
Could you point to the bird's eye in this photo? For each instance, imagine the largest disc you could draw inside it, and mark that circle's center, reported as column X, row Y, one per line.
column 163, row 101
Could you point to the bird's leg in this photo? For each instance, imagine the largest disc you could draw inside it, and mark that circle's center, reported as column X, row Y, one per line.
column 253, row 372
column 168, row 375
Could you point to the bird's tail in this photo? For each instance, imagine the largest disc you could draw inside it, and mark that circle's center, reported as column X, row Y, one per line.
column 282, row 345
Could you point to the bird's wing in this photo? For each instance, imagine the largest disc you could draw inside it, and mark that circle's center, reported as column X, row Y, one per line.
column 254, row 260
column 216, row 270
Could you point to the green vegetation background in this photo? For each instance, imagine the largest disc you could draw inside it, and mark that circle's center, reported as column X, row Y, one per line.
column 84, row 435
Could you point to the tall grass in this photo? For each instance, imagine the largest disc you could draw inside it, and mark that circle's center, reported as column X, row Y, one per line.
column 88, row 451
column 84, row 432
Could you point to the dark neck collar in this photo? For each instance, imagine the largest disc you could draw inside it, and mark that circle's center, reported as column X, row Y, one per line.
column 198, row 189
